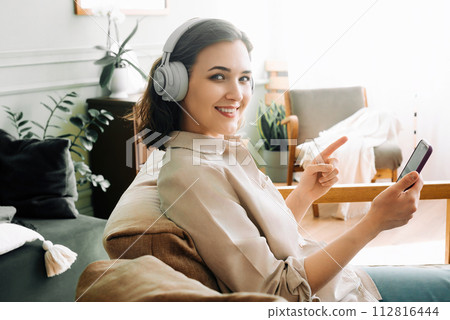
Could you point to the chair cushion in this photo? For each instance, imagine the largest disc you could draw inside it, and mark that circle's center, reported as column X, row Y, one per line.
column 388, row 155
column 149, row 279
column 320, row 109
column 137, row 227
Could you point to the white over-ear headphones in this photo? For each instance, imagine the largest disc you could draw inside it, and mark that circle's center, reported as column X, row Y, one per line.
column 171, row 79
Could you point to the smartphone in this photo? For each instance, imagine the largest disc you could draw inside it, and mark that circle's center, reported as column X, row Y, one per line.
column 418, row 159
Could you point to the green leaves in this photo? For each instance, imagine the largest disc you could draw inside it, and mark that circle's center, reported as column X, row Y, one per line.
column 77, row 122
column 87, row 135
column 87, row 145
column 87, row 176
column 98, row 180
column 108, row 59
column 124, row 43
column 81, row 167
column 87, row 125
column 269, row 124
column 63, row 105
column 106, row 75
column 91, row 135
column 22, row 126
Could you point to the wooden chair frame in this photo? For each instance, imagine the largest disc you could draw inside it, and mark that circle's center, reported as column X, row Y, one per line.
column 367, row 192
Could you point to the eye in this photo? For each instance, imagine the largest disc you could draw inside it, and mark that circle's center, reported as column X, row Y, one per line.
column 217, row 76
column 244, row 79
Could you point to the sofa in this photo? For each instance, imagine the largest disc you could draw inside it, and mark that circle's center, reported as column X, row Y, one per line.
column 38, row 186
column 23, row 276
column 152, row 259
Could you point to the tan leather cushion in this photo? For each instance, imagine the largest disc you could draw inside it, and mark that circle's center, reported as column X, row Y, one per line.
column 148, row 279
column 137, row 227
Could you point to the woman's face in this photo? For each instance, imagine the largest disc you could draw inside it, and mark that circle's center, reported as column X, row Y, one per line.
column 219, row 90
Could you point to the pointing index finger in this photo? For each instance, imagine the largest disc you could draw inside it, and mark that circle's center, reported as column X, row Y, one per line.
column 333, row 147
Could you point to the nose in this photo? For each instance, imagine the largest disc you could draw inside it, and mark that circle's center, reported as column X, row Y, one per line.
column 235, row 91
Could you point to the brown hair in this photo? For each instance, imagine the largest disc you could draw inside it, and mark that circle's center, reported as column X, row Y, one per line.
column 165, row 116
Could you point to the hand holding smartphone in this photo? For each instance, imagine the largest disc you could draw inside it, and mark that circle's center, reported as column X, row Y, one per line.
column 418, row 159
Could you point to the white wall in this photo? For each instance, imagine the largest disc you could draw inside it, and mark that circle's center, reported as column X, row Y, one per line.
column 398, row 50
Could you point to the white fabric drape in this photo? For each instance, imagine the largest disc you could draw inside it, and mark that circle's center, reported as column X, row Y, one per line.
column 365, row 129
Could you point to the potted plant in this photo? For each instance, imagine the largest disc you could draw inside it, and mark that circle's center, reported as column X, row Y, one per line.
column 115, row 63
column 274, row 135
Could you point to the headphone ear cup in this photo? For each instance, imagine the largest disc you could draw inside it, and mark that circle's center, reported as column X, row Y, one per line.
column 160, row 80
column 180, row 80
column 171, row 81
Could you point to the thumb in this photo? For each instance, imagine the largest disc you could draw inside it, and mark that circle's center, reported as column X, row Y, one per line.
column 407, row 181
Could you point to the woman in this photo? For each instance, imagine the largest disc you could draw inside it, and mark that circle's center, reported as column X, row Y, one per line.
column 210, row 186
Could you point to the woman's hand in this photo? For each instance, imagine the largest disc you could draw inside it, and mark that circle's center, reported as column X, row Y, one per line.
column 394, row 207
column 319, row 177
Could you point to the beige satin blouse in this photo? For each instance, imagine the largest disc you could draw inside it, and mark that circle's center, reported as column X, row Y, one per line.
column 240, row 223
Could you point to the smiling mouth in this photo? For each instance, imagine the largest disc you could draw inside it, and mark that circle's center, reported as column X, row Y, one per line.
column 227, row 112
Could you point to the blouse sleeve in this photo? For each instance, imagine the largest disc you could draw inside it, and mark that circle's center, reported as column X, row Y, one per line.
column 202, row 202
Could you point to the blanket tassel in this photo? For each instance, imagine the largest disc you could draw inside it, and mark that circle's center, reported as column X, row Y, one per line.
column 58, row 258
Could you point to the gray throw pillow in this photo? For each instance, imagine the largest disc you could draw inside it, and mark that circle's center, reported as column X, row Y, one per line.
column 37, row 177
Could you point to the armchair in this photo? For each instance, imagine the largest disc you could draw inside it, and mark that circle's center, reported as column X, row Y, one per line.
column 308, row 112
column 320, row 109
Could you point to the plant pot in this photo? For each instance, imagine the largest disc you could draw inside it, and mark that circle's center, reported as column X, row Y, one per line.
column 119, row 83
column 276, row 164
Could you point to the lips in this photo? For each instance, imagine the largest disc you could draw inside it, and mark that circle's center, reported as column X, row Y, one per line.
column 229, row 112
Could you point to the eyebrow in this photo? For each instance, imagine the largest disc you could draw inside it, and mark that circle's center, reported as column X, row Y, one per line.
column 227, row 69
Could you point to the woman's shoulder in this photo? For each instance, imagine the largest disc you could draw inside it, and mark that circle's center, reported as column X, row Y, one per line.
column 180, row 162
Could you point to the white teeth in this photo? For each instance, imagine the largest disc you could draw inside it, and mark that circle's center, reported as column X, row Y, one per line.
column 227, row 110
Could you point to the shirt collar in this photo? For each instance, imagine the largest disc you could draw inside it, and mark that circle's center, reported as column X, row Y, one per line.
column 201, row 143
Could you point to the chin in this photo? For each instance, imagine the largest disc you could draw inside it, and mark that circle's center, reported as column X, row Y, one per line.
column 229, row 132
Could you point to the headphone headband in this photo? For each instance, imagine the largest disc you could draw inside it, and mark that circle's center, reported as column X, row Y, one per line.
column 170, row 79
column 171, row 42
